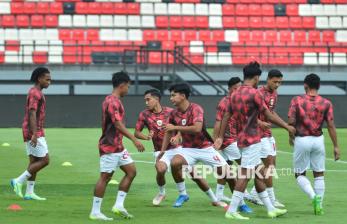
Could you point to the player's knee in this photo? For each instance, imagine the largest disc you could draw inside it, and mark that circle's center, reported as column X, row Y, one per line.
column 161, row 168
column 132, row 174
column 45, row 161
column 176, row 162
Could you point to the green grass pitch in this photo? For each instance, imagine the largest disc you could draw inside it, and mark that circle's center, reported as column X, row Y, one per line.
column 70, row 189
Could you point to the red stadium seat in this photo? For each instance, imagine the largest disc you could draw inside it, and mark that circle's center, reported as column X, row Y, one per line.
column 271, row 36
column 196, row 59
column 267, row 10
column 255, row 22
column 244, row 36
column 17, row 8
column 94, row 8
column 29, row 8
column 149, row 35
column 120, row 8
column 228, row 10
column 292, row 10
column 133, row 8
column 167, row 45
column 257, row 36
column 56, row 8
column 314, row 36
column 81, row 7
column 299, row 36
column 176, row 35
column 155, row 58
column 202, row 22
column 107, row 8
column 51, row 21
column 162, row 35
column 70, row 46
column 12, row 45
column 241, row 22
column 218, row 35
column 78, row 35
column 64, row 35
column 228, row 22
column 205, row 35
column 210, row 46
column 175, row 21
column 40, row 57
column 308, row 22
column 254, row 10
column 8, row 21
column 295, row 22
column 37, row 21
column 241, row 10
column 22, row 21
column 285, row 36
column 188, row 22
column 328, row 36
column 190, row 35
column 162, row 22
column 43, row 8
column 282, row 22
column 269, row 22
column 92, row 35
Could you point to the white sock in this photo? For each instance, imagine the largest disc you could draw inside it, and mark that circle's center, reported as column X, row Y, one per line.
column 220, row 190
column 96, row 205
column 305, row 186
column 319, row 186
column 23, row 177
column 271, row 193
column 162, row 190
column 181, row 187
column 264, row 197
column 30, row 187
column 211, row 195
column 254, row 191
column 242, row 202
column 120, row 199
column 235, row 201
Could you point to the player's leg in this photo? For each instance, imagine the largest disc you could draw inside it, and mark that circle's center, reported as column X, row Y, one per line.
column 127, row 165
column 177, row 163
column 108, row 164
column 161, row 169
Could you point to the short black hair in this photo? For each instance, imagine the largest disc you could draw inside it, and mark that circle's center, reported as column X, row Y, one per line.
column 153, row 92
column 274, row 73
column 119, row 78
column 251, row 70
column 313, row 81
column 232, row 81
column 38, row 72
column 182, row 88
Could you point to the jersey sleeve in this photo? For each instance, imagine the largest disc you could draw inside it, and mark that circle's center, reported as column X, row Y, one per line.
column 198, row 114
column 292, row 108
column 259, row 101
column 34, row 99
column 140, row 122
column 114, row 111
column 329, row 116
column 221, row 109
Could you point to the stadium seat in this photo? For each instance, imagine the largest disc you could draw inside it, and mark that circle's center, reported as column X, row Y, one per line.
column 29, row 8
column 94, row 8
column 205, row 35
column 175, row 21
column 254, row 10
column 202, row 22
column 17, row 8
column 40, row 57
column 241, row 10
column 255, row 22
column 295, row 22
column 241, row 22
column 121, row 9
column 269, row 22
column 81, row 7
column 160, row 9
column 176, row 35
column 215, row 22
column 149, row 35
column 188, row 9
column 228, row 10
column 282, row 22
column 308, row 22
column 107, row 8
column 188, row 22
column 8, row 21
column 292, row 10
column 228, row 22
column 56, row 8
column 201, row 9
column 267, row 10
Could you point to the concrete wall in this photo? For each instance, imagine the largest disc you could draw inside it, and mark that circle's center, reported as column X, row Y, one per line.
column 85, row 111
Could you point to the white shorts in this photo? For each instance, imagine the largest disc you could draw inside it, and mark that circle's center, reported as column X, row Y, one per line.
column 41, row 149
column 231, row 152
column 268, row 147
column 208, row 156
column 167, row 157
column 309, row 152
column 110, row 162
column 250, row 156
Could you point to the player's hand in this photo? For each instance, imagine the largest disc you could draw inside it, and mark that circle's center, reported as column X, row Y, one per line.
column 264, row 125
column 218, row 143
column 139, row 146
column 176, row 140
column 33, row 141
column 170, row 127
column 291, row 141
column 291, row 130
column 336, row 153
column 150, row 135
column 160, row 155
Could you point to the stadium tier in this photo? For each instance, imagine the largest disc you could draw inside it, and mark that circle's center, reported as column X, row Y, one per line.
column 212, row 32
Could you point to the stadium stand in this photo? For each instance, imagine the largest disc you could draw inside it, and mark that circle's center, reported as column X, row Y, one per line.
column 98, row 32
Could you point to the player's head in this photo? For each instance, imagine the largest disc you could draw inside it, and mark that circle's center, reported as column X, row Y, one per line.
column 252, row 72
column 312, row 81
column 274, row 79
column 179, row 93
column 41, row 76
column 121, row 81
column 152, row 98
column 233, row 84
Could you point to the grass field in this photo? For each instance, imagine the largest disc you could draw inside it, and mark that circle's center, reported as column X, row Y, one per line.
column 69, row 189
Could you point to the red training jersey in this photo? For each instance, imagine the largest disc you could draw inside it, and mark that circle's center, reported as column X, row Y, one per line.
column 270, row 98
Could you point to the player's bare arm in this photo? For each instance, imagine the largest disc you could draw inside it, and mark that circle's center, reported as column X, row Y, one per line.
column 219, row 140
column 138, row 134
column 291, row 122
column 177, row 139
column 278, row 121
column 195, row 128
column 333, row 137
column 120, row 126
column 33, row 127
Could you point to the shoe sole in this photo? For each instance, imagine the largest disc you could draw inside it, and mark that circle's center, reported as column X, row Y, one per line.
column 14, row 190
column 120, row 214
